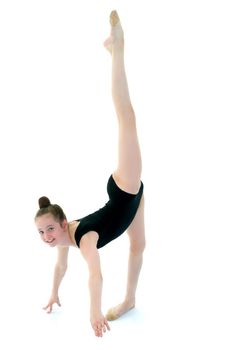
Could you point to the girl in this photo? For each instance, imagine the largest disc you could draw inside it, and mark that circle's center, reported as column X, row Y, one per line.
column 123, row 211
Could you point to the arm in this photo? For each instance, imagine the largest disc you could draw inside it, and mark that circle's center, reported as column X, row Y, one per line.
column 59, row 272
column 91, row 255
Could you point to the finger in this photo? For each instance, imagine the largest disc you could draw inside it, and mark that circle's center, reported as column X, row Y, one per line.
column 97, row 333
column 50, row 309
column 98, row 330
column 104, row 328
column 101, row 329
column 107, row 325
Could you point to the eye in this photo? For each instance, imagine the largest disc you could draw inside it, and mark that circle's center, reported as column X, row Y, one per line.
column 41, row 232
column 50, row 229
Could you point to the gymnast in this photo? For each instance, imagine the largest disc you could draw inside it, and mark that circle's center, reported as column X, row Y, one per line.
column 124, row 210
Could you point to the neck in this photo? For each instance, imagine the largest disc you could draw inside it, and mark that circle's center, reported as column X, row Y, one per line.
column 66, row 239
column 70, row 233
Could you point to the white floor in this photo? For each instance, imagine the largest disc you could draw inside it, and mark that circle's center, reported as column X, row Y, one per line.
column 56, row 128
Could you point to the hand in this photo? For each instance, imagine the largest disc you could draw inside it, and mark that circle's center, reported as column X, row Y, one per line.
column 49, row 306
column 99, row 324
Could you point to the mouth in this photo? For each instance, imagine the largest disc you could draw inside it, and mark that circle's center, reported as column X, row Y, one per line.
column 50, row 242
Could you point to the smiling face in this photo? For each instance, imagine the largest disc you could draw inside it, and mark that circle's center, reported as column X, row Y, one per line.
column 51, row 231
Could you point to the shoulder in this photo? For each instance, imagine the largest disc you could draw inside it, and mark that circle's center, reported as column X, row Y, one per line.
column 88, row 244
column 89, row 240
column 89, row 251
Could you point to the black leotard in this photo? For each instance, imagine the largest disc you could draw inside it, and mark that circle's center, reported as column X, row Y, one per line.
column 114, row 218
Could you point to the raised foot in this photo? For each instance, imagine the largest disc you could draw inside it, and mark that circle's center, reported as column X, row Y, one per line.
column 114, row 18
column 116, row 38
column 119, row 310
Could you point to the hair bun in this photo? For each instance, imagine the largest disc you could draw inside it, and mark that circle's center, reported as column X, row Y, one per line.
column 44, row 202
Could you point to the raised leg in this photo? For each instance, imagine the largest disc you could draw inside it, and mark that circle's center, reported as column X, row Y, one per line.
column 136, row 233
column 128, row 172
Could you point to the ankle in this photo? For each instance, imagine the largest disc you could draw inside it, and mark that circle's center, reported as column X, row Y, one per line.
column 129, row 302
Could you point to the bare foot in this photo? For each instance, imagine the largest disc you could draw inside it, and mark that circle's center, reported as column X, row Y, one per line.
column 119, row 310
column 116, row 39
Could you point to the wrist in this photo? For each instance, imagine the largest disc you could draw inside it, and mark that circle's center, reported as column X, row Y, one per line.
column 54, row 293
column 95, row 313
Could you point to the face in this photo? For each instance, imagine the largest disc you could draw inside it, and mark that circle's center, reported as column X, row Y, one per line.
column 50, row 230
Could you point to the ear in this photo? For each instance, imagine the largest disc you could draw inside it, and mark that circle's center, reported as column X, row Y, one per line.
column 64, row 224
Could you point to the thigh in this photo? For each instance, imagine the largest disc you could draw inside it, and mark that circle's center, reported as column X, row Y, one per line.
column 128, row 172
column 136, row 230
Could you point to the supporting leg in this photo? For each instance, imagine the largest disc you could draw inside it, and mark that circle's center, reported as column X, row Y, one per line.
column 136, row 233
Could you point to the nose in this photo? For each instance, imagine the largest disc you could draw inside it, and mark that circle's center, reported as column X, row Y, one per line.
column 46, row 237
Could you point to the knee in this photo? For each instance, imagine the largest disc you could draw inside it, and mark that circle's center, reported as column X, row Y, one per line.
column 127, row 117
column 138, row 247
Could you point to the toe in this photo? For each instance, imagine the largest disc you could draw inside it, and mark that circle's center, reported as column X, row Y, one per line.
column 114, row 18
column 111, row 315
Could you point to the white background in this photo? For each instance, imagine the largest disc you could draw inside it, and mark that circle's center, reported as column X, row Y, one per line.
column 58, row 138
